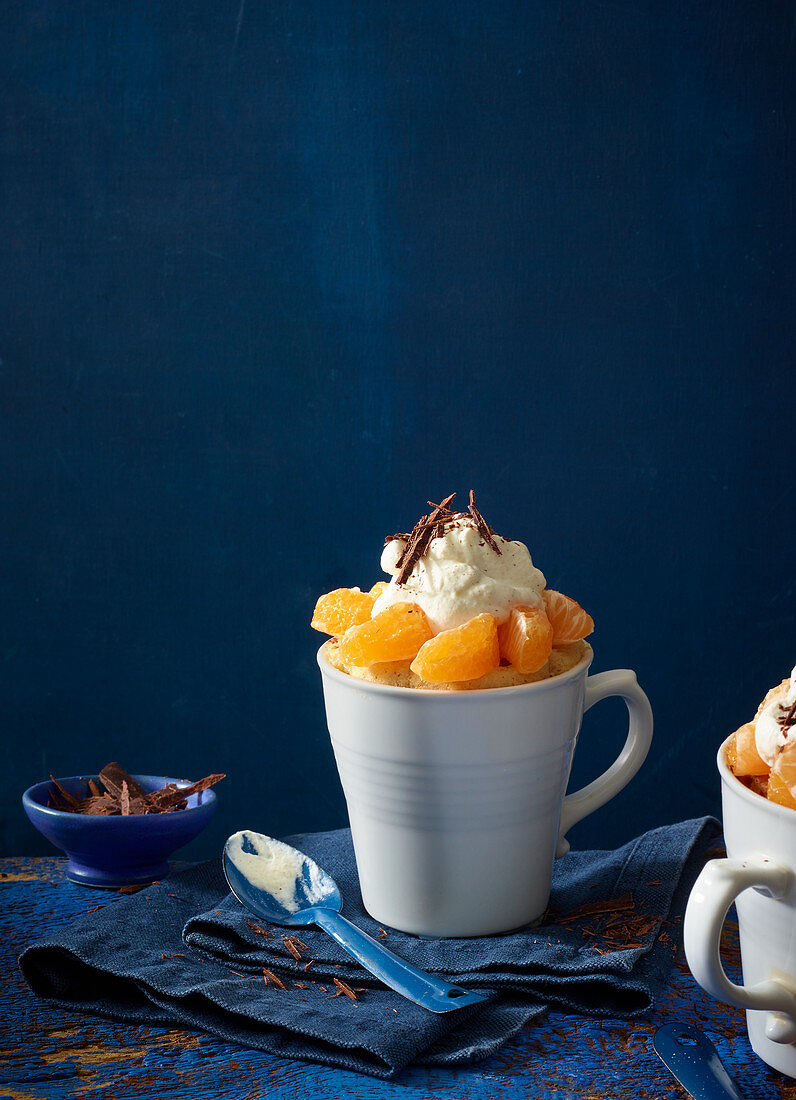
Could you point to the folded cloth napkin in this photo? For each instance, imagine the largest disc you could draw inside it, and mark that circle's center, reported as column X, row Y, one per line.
column 186, row 952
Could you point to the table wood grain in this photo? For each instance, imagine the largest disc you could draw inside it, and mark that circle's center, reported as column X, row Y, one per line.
column 47, row 1052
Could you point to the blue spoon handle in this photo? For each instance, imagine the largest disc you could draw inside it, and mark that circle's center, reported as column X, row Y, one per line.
column 695, row 1062
column 418, row 986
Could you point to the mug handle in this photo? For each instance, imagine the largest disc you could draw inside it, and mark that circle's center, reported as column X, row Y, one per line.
column 621, row 682
column 720, row 882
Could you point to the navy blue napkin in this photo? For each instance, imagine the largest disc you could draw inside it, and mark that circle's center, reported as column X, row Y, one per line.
column 185, row 952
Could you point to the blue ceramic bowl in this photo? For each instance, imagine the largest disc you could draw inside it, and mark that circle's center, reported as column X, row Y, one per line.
column 118, row 851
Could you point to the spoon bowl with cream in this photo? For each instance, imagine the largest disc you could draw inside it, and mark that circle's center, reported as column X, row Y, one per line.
column 282, row 885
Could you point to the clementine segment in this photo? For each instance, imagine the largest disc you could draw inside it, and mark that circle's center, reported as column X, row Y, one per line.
column 570, row 621
column 782, row 780
column 336, row 611
column 395, row 634
column 746, row 758
column 731, row 755
column 378, row 588
column 526, row 638
column 758, row 784
column 464, row 653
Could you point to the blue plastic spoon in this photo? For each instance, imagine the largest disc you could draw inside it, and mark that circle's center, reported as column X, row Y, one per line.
column 282, row 885
column 695, row 1062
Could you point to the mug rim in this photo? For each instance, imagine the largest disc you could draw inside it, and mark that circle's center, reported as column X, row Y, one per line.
column 328, row 669
column 735, row 786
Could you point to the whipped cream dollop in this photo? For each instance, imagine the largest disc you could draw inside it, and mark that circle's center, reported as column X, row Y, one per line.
column 771, row 735
column 461, row 576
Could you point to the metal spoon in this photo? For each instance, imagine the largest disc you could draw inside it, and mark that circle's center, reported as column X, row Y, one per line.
column 695, row 1062
column 282, row 885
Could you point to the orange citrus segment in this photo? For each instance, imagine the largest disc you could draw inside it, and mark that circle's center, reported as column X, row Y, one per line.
column 338, row 610
column 378, row 588
column 395, row 634
column 731, row 755
column 757, row 783
column 526, row 638
column 782, row 780
column 746, row 760
column 464, row 653
column 570, row 621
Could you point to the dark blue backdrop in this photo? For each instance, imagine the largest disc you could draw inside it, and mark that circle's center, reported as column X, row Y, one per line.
column 273, row 274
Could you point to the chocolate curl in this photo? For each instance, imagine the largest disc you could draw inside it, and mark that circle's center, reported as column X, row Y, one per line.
column 101, row 806
column 415, row 534
column 485, row 531
column 422, row 535
column 162, row 799
column 269, row 975
column 62, row 795
column 113, row 776
column 346, row 990
column 182, row 794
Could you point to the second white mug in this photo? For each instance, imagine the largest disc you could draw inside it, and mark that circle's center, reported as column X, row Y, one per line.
column 759, row 877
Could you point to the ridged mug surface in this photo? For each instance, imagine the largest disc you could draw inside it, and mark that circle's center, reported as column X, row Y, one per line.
column 454, row 798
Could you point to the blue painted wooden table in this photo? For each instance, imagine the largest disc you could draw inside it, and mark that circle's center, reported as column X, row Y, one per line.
column 46, row 1052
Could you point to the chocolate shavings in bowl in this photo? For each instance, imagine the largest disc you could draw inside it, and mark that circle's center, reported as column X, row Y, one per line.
column 113, row 777
column 123, row 796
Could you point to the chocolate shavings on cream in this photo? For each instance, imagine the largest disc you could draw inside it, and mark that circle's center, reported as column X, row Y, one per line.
column 434, row 526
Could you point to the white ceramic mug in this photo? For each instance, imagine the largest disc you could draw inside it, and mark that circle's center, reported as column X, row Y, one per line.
column 759, row 876
column 456, row 799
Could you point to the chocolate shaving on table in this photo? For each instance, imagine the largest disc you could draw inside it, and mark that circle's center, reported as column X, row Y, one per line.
column 486, row 532
column 346, row 990
column 268, row 975
column 292, row 945
column 258, row 928
column 124, row 796
column 594, row 908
